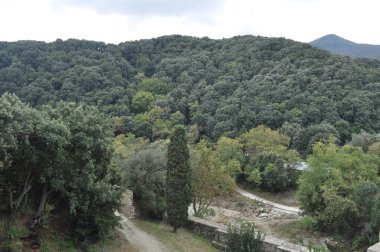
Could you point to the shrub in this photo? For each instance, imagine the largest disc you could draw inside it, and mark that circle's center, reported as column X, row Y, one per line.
column 204, row 213
column 244, row 237
column 317, row 248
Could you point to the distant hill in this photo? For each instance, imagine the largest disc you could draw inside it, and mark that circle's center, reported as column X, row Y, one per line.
column 341, row 46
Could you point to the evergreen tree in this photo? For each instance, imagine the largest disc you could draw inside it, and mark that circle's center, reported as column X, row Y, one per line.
column 178, row 180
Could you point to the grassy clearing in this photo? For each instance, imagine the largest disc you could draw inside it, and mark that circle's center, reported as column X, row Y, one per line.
column 294, row 230
column 183, row 240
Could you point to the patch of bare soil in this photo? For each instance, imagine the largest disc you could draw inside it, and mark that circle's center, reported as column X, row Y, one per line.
column 287, row 226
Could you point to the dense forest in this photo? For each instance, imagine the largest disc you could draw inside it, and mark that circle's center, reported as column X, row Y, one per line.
column 82, row 120
column 224, row 87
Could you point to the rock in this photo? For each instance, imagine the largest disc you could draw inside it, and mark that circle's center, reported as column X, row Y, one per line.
column 263, row 215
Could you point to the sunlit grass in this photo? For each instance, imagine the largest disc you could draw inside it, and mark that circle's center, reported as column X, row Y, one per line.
column 183, row 240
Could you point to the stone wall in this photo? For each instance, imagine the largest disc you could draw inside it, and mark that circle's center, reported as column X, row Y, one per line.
column 374, row 248
column 128, row 207
column 217, row 233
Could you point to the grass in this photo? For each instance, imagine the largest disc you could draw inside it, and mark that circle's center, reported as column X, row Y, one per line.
column 57, row 243
column 299, row 231
column 117, row 244
column 294, row 231
column 286, row 198
column 183, row 240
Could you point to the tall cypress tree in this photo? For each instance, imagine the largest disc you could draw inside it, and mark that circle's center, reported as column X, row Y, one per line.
column 178, row 178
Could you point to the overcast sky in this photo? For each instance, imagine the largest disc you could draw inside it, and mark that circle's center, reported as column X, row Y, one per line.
column 115, row 21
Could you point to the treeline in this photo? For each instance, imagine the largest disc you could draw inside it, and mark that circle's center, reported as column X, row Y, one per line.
column 224, row 87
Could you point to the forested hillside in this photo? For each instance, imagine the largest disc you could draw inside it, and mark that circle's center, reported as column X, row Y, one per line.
column 89, row 119
column 222, row 87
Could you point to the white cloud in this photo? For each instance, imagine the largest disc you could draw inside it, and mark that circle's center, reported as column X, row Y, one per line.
column 302, row 20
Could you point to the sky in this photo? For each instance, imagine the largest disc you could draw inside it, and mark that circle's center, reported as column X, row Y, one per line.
column 115, row 21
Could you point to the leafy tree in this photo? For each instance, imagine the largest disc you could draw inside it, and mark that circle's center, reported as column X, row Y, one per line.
column 229, row 149
column 145, row 175
column 363, row 140
column 51, row 140
column 177, row 118
column 142, row 101
column 291, row 130
column 62, row 152
column 306, row 138
column 253, row 176
column 232, row 168
column 333, row 189
column 16, row 152
column 154, row 85
column 5, row 60
column 270, row 164
column 263, row 138
column 374, row 148
column 126, row 145
column 178, row 179
column 153, row 124
column 343, row 127
column 273, row 171
column 118, row 125
column 209, row 178
column 274, row 178
column 193, row 134
column 90, row 186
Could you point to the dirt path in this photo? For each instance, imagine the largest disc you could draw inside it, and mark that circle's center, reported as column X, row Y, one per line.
column 279, row 207
column 139, row 239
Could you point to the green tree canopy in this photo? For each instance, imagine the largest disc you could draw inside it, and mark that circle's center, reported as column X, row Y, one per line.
column 61, row 152
column 208, row 177
column 329, row 190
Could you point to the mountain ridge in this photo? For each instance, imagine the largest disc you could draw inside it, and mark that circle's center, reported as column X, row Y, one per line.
column 341, row 46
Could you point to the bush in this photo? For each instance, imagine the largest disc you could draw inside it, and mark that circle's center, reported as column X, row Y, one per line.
column 275, row 178
column 244, row 237
column 11, row 240
column 204, row 213
column 309, row 222
column 317, row 248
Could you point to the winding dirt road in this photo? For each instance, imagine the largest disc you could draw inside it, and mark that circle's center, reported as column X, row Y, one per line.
column 139, row 239
column 144, row 242
column 279, row 207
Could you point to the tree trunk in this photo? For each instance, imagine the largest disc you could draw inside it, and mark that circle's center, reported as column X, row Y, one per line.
column 27, row 187
column 10, row 199
column 194, row 206
column 41, row 207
